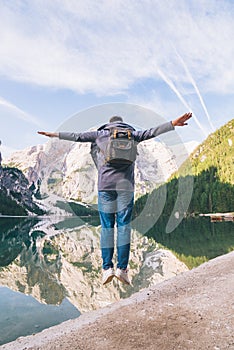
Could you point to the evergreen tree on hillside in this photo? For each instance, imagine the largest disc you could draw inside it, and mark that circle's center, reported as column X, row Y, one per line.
column 214, row 154
column 10, row 207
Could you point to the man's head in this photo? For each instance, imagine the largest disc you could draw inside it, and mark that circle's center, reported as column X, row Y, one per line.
column 115, row 119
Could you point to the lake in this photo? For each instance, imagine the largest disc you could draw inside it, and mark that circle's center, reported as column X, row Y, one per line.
column 50, row 268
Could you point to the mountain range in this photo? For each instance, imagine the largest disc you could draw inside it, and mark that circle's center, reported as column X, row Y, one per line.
column 66, row 169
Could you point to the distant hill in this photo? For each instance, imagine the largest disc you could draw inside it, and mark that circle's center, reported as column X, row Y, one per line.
column 210, row 170
column 213, row 169
column 215, row 152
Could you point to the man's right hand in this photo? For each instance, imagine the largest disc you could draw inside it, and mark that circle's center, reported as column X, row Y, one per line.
column 182, row 121
column 48, row 134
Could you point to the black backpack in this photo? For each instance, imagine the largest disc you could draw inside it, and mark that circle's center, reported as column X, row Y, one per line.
column 121, row 147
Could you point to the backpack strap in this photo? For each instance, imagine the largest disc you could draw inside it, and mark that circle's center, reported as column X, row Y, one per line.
column 115, row 131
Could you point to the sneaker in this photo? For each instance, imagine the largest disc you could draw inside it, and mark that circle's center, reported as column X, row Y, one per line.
column 108, row 275
column 122, row 275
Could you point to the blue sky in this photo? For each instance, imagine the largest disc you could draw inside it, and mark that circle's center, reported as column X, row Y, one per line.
column 60, row 57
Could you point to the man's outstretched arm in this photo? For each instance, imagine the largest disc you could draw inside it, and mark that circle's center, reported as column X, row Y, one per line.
column 161, row 129
column 49, row 134
column 88, row 136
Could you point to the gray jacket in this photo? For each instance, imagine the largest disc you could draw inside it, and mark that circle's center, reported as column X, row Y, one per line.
column 117, row 177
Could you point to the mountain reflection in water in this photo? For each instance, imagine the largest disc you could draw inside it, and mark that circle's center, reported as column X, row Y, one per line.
column 53, row 266
column 50, row 268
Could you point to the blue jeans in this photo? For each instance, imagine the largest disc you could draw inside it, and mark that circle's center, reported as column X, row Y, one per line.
column 115, row 206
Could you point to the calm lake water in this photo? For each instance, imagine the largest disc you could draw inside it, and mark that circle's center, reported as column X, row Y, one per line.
column 50, row 268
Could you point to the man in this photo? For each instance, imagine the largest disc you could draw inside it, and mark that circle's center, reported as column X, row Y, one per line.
column 116, row 190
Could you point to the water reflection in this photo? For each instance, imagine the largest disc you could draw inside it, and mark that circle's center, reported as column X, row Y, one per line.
column 195, row 240
column 57, row 262
column 24, row 250
column 22, row 314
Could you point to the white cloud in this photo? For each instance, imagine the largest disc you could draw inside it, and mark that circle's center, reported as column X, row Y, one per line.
column 104, row 47
column 18, row 128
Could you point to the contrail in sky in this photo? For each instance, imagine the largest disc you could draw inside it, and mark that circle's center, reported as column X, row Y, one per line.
column 189, row 75
column 178, row 94
column 20, row 114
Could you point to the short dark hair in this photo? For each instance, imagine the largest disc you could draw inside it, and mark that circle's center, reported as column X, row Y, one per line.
column 115, row 118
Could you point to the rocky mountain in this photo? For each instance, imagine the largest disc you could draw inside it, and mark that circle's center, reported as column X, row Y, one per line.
column 66, row 169
column 16, row 196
